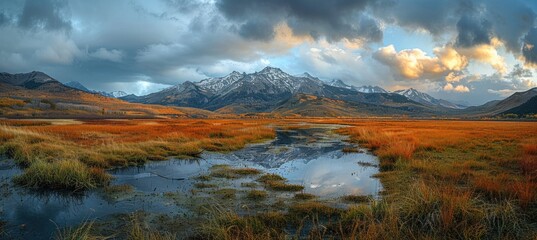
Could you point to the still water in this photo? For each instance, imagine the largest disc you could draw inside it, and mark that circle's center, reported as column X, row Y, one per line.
column 310, row 157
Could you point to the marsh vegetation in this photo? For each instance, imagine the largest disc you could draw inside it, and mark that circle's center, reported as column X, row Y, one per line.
column 440, row 179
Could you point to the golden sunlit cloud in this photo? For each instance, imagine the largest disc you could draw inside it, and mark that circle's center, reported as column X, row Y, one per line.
column 454, row 77
column 458, row 88
column 415, row 64
column 487, row 53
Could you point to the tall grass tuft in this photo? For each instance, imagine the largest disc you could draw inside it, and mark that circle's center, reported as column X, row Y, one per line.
column 62, row 174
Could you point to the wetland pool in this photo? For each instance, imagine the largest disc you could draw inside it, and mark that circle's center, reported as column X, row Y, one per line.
column 311, row 157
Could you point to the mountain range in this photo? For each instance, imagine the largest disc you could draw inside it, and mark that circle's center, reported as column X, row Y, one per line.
column 271, row 88
column 113, row 94
column 37, row 95
column 274, row 92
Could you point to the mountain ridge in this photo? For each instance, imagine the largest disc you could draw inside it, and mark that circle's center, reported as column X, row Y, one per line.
column 270, row 91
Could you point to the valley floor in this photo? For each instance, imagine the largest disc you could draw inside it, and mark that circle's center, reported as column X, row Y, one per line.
column 441, row 179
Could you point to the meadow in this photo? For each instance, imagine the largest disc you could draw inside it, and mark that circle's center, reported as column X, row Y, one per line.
column 74, row 156
column 442, row 179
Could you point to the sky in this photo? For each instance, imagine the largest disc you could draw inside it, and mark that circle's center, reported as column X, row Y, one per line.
column 466, row 51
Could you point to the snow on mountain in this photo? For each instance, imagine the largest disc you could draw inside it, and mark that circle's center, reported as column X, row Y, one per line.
column 415, row 95
column 426, row 99
column 79, row 86
column 26, row 79
column 118, row 94
column 362, row 89
column 272, row 78
column 306, row 75
column 217, row 84
column 338, row 83
column 370, row 89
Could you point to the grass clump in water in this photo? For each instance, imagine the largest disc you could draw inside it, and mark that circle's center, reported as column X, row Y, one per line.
column 356, row 198
column 139, row 231
column 204, row 185
column 223, row 224
column 249, row 184
column 257, row 195
column 204, row 178
column 282, row 186
column 225, row 171
column 82, row 232
column 277, row 183
column 62, row 174
column 226, row 193
column 312, row 208
column 270, row 177
column 304, row 196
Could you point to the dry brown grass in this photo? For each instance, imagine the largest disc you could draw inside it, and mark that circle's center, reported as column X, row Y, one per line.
column 100, row 144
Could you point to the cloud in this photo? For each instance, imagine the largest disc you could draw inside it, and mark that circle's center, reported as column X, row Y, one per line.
column 473, row 31
column 458, row 88
column 529, row 52
column 4, row 19
column 43, row 14
column 486, row 53
column 502, row 92
column 59, row 51
column 434, row 17
column 185, row 73
column 416, row 64
column 454, row 77
column 112, row 55
column 333, row 20
column 477, row 22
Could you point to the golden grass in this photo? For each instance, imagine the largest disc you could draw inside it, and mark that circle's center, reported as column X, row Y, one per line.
column 49, row 152
column 441, row 179
column 475, row 179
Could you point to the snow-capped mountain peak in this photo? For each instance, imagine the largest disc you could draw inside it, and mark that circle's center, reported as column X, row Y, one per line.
column 274, row 73
column 338, row 83
column 79, row 86
column 306, row 75
column 217, row 84
column 415, row 94
column 426, row 99
column 118, row 94
column 370, row 89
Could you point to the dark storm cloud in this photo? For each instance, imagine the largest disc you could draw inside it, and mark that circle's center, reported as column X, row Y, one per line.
column 433, row 16
column 3, row 19
column 318, row 18
column 44, row 14
column 474, row 22
column 257, row 30
column 529, row 50
column 473, row 31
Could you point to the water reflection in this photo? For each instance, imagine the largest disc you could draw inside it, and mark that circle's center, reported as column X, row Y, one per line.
column 311, row 157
